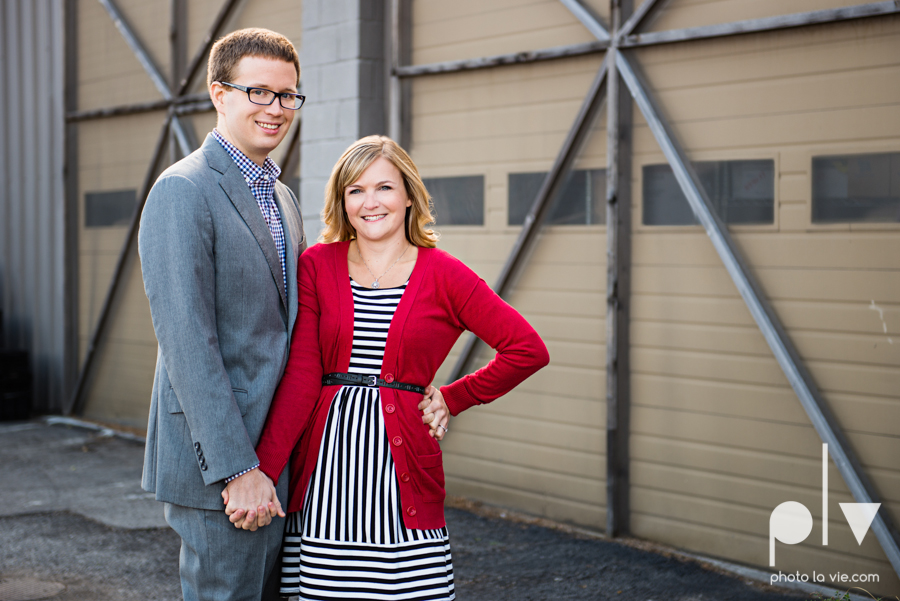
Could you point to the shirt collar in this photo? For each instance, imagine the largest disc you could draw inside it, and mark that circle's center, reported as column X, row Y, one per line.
column 250, row 170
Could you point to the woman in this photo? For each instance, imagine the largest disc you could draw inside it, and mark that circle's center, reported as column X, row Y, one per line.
column 380, row 308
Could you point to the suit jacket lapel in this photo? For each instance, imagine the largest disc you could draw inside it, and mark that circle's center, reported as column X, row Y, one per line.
column 238, row 192
column 292, row 239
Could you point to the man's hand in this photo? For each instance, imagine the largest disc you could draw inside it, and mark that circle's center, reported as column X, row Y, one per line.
column 251, row 501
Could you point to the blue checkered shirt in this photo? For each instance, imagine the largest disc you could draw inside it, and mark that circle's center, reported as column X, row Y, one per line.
column 262, row 184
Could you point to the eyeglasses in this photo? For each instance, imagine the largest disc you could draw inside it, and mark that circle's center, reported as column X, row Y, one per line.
column 287, row 100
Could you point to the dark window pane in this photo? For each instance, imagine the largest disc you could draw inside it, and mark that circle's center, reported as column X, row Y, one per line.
column 522, row 190
column 863, row 187
column 102, row 209
column 457, row 200
column 664, row 204
column 741, row 192
column 582, row 200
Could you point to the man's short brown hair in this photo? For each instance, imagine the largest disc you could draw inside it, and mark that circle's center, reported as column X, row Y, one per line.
column 228, row 51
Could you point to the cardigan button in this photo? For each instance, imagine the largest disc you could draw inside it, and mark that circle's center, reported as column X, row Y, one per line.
column 397, row 441
column 411, row 511
column 404, row 477
column 388, row 378
column 390, row 408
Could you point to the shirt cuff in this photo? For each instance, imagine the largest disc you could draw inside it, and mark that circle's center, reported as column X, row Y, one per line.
column 239, row 474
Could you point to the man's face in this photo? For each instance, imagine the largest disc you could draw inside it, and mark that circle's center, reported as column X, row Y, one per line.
column 255, row 129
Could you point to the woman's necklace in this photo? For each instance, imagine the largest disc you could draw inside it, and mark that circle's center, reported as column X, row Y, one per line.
column 375, row 283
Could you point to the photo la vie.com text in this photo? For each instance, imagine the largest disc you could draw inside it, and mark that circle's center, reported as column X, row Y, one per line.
column 791, row 523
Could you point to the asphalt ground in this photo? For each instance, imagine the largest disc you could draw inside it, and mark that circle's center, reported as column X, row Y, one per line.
column 75, row 525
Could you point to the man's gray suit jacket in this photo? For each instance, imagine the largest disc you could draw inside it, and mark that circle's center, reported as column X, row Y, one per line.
column 223, row 319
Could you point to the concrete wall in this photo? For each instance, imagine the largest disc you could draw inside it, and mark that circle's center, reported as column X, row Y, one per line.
column 343, row 79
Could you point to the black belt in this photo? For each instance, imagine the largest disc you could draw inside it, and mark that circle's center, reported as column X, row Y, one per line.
column 367, row 380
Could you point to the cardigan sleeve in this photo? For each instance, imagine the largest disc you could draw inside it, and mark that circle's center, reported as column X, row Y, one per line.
column 520, row 351
column 301, row 384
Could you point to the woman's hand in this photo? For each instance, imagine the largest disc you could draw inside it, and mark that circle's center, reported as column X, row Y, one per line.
column 435, row 412
column 251, row 501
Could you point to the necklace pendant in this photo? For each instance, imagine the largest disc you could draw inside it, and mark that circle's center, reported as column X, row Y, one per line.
column 375, row 284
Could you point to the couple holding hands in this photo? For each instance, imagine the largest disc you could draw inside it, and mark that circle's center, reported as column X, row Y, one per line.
column 293, row 385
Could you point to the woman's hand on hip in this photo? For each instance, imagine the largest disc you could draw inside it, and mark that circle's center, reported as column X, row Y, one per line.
column 435, row 413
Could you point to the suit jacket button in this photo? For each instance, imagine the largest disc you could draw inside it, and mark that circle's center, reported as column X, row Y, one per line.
column 397, row 441
column 203, row 467
column 197, row 445
column 388, row 378
column 404, row 477
column 390, row 408
column 411, row 511
column 199, row 452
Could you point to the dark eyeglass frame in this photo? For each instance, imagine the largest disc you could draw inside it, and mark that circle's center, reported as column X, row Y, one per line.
column 278, row 95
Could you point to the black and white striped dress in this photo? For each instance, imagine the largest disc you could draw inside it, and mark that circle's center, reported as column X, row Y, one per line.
column 349, row 541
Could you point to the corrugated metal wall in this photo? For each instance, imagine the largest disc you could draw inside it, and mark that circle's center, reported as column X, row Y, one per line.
column 32, row 198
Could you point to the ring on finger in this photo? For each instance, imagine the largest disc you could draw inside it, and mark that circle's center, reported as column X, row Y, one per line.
column 444, row 427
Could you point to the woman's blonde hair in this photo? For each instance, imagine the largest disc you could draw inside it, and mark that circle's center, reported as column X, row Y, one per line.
column 350, row 168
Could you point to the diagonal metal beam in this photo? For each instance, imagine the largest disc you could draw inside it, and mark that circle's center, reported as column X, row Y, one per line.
column 137, row 48
column 785, row 353
column 513, row 58
column 152, row 70
column 539, row 209
column 637, row 18
column 833, row 15
column 587, row 18
column 76, row 401
column 208, row 41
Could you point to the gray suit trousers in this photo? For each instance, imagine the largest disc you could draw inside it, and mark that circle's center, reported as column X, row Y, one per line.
column 222, row 563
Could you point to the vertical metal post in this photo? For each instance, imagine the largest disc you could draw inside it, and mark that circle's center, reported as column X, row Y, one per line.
column 177, row 58
column 618, row 253
column 393, row 117
column 399, row 89
column 70, row 199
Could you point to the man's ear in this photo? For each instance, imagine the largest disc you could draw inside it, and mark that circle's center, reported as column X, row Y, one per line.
column 217, row 94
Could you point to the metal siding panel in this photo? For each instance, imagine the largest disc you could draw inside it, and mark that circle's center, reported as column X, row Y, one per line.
column 32, row 217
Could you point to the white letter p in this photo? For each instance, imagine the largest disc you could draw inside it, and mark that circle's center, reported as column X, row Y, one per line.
column 791, row 523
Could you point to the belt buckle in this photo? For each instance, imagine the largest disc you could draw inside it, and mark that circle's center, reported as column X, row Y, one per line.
column 370, row 380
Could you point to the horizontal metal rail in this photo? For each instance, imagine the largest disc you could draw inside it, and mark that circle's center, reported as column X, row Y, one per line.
column 816, row 17
column 182, row 104
column 539, row 209
column 773, row 332
column 515, row 58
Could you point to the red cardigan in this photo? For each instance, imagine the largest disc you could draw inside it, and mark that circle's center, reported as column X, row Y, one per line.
column 442, row 299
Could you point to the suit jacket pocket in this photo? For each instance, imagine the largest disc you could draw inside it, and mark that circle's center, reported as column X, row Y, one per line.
column 170, row 401
column 172, row 405
column 242, row 398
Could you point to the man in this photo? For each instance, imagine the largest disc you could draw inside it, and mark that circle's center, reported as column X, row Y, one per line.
column 219, row 243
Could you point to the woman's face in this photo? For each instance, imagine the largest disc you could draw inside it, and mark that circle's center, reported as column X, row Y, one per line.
column 376, row 203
